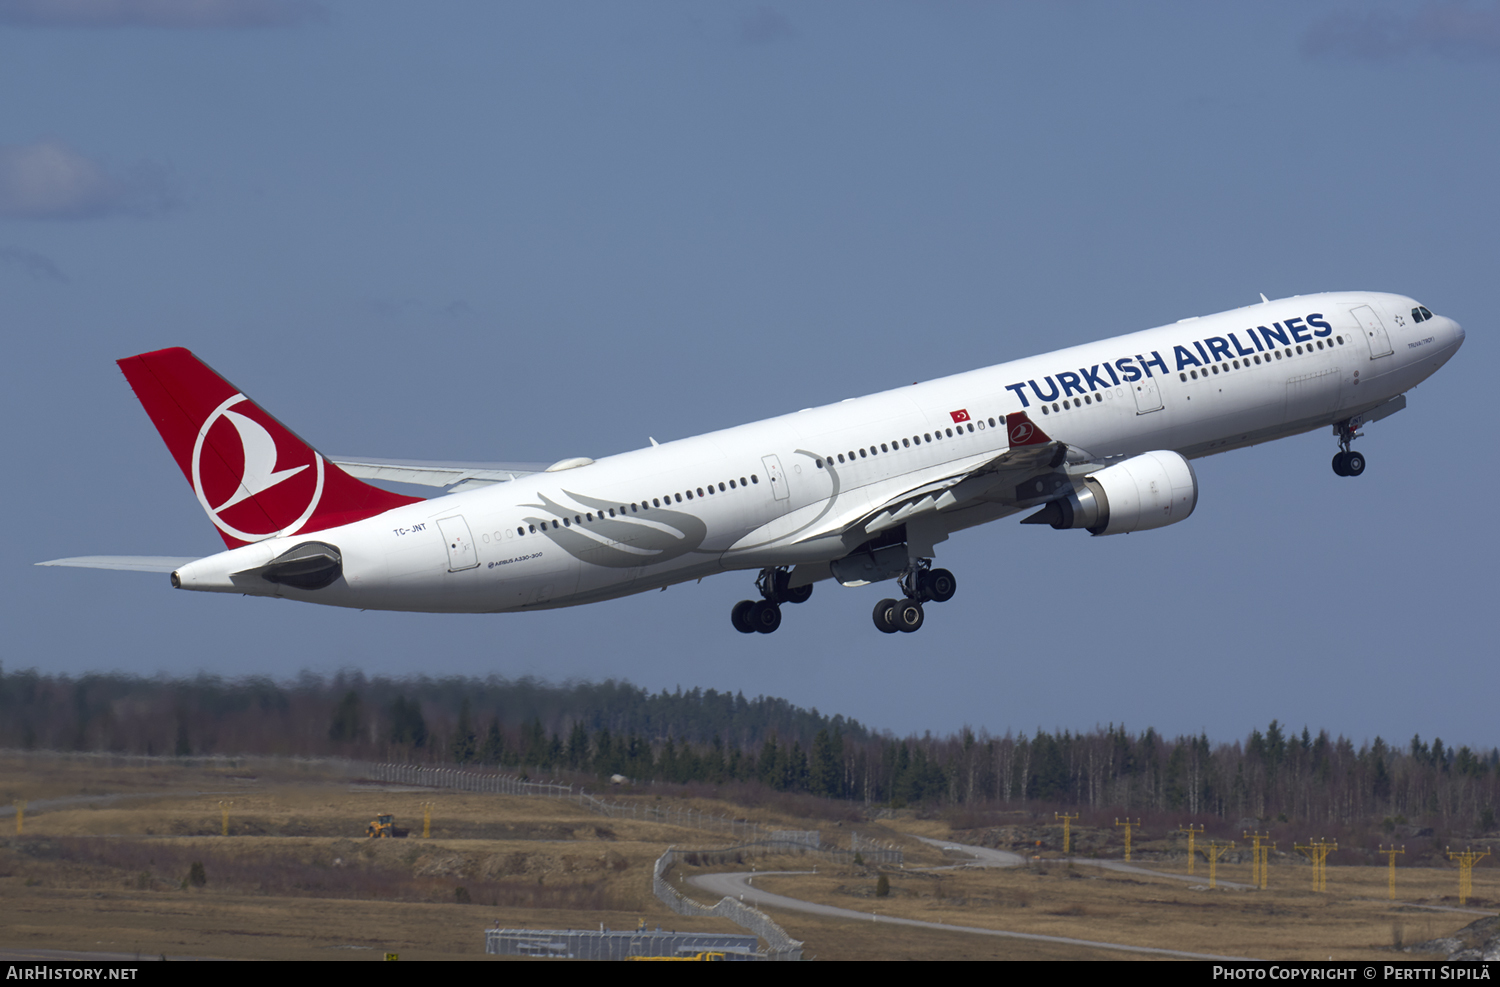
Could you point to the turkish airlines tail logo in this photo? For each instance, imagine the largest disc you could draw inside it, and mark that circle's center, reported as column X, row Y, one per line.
column 253, row 476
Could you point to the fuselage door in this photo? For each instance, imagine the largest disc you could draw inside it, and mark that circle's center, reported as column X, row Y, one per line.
column 1147, row 396
column 461, row 551
column 1374, row 330
column 776, row 477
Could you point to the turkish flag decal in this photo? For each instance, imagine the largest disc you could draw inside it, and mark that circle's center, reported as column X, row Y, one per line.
column 961, row 415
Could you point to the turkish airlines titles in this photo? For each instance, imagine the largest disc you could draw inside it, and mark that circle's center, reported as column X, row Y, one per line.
column 1211, row 350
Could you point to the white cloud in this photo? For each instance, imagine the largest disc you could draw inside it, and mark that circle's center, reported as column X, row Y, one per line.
column 1447, row 28
column 49, row 180
column 37, row 265
column 763, row 27
column 159, row 13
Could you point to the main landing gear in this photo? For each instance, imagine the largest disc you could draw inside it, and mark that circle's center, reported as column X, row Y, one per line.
column 764, row 615
column 920, row 584
column 1347, row 462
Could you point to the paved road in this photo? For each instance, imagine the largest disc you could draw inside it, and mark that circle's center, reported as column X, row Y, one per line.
column 985, row 857
column 738, row 885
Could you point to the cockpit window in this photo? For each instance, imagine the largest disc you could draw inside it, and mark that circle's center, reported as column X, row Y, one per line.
column 1425, row 314
column 1420, row 314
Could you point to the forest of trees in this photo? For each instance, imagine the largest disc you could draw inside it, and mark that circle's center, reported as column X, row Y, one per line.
column 597, row 730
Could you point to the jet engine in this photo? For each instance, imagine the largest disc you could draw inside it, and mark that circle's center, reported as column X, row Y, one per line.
column 1151, row 490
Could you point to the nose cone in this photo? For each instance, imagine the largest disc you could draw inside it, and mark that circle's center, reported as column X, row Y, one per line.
column 1450, row 336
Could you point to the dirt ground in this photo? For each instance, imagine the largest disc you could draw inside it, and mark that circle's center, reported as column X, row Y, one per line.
column 106, row 860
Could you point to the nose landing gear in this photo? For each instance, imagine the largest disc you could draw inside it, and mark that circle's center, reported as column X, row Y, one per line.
column 1347, row 462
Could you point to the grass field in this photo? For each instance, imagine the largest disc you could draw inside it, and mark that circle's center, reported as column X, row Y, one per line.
column 106, row 856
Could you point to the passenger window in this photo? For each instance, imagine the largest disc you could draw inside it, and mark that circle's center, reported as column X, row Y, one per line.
column 742, row 481
column 884, row 448
column 906, row 443
column 1054, row 406
column 521, row 531
column 1046, row 410
column 721, row 487
column 754, row 478
column 700, row 491
column 861, row 454
column 533, row 528
column 950, row 433
column 926, row 436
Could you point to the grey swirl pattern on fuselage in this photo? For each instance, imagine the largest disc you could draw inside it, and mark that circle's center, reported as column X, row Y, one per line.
column 644, row 544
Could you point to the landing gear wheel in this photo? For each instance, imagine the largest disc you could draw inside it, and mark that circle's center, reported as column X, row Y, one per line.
column 908, row 616
column 885, row 614
column 798, row 595
column 740, row 616
column 938, row 585
column 1347, row 462
column 765, row 616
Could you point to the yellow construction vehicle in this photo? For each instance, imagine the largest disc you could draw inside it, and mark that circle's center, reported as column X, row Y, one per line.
column 383, row 827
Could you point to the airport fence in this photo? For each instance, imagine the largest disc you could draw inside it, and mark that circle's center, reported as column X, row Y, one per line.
column 605, row 944
column 497, row 783
column 779, row 945
column 480, row 780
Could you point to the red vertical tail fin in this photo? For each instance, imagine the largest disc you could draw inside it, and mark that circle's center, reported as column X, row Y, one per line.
column 254, row 477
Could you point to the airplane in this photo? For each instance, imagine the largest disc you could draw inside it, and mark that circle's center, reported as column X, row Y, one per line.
column 1098, row 437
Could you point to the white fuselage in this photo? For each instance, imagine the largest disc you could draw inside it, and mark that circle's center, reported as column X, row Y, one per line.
column 756, row 496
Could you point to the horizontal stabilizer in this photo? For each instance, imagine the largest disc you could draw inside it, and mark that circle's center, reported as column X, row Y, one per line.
column 437, row 474
column 127, row 563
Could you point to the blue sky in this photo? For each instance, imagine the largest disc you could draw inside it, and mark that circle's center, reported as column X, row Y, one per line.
column 484, row 231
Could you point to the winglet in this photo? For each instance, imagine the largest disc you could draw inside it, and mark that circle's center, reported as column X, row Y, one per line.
column 1022, row 431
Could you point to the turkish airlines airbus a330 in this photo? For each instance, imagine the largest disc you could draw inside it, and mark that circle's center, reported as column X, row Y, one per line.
column 1098, row 437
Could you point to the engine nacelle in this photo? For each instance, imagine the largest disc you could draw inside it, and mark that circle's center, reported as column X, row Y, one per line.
column 1151, row 490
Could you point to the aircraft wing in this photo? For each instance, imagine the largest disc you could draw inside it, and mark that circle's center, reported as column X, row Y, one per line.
column 454, row 476
column 1026, row 473
column 128, row 563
